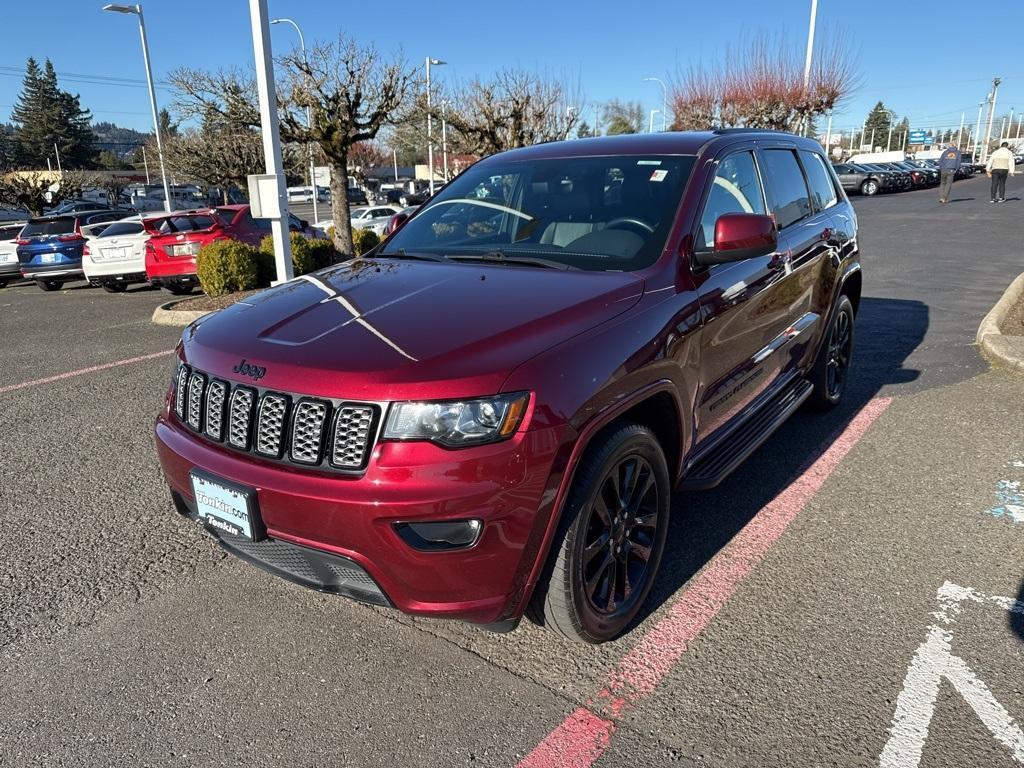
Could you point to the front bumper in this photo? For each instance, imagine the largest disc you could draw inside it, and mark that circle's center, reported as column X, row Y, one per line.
column 509, row 486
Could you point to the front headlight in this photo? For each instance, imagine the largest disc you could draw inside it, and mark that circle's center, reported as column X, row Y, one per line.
column 457, row 423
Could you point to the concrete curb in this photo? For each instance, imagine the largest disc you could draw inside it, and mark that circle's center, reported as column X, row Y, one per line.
column 166, row 314
column 998, row 348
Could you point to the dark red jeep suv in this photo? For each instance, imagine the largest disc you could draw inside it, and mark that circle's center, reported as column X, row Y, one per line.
column 487, row 415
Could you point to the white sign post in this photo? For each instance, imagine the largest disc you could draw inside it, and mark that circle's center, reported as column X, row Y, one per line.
column 271, row 143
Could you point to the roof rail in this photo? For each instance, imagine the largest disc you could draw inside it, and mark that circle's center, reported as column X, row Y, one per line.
column 726, row 131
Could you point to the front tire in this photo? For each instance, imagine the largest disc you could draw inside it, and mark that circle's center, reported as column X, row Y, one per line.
column 869, row 188
column 831, row 370
column 50, row 285
column 609, row 545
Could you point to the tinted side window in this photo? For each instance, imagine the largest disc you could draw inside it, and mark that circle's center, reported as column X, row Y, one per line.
column 736, row 189
column 823, row 192
column 790, row 201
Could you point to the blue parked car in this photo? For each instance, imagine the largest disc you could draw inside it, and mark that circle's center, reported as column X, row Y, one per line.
column 50, row 247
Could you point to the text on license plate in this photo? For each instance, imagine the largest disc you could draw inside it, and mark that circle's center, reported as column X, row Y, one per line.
column 221, row 507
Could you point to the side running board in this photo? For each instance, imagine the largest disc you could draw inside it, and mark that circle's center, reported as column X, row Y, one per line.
column 713, row 465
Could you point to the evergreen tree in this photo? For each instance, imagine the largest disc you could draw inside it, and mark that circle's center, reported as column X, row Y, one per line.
column 878, row 123
column 46, row 116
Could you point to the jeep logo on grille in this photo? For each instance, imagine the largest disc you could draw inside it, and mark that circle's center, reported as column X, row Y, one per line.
column 248, row 369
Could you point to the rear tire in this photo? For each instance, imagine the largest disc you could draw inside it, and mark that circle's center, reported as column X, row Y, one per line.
column 831, row 370
column 115, row 287
column 50, row 285
column 179, row 290
column 606, row 553
column 3, row 283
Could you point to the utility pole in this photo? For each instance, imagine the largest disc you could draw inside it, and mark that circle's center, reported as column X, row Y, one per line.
column 650, row 127
column 991, row 116
column 828, row 133
column 810, row 54
column 960, row 133
column 145, row 163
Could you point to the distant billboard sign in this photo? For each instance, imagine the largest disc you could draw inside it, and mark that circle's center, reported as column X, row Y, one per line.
column 919, row 137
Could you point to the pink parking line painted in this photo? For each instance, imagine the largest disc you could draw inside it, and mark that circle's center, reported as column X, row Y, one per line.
column 586, row 733
column 83, row 371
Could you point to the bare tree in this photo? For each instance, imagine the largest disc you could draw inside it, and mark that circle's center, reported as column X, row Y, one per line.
column 351, row 92
column 36, row 190
column 364, row 156
column 221, row 159
column 762, row 86
column 514, row 109
column 623, row 117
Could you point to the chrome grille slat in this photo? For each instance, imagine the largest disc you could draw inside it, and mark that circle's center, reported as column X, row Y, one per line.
column 351, row 438
column 240, row 417
column 179, row 391
column 325, row 434
column 270, row 424
column 308, row 431
column 196, row 390
column 216, row 395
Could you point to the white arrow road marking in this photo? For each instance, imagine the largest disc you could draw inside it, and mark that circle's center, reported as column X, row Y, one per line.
column 933, row 661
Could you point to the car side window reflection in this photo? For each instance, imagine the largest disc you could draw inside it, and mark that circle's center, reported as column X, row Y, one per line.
column 736, row 189
column 790, row 198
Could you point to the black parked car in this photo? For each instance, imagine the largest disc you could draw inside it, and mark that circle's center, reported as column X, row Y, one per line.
column 857, row 179
column 900, row 180
column 356, row 196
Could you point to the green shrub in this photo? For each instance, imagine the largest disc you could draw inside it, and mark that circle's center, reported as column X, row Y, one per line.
column 307, row 255
column 226, row 266
column 363, row 240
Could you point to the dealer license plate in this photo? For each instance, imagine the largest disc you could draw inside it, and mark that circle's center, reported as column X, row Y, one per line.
column 48, row 258
column 225, row 507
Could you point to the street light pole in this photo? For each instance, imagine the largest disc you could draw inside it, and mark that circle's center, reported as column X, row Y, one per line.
column 977, row 130
column 444, row 137
column 309, row 122
column 810, row 52
column 267, row 95
column 137, row 10
column 664, row 100
column 430, row 139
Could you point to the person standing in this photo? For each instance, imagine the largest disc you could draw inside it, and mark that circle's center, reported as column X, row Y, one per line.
column 949, row 164
column 1000, row 165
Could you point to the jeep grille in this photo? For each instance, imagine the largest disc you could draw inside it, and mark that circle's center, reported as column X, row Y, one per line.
column 293, row 429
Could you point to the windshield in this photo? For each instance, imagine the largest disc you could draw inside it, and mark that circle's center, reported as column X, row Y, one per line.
column 38, row 227
column 173, row 224
column 595, row 213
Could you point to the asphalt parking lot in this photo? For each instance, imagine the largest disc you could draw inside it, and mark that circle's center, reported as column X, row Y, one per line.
column 853, row 595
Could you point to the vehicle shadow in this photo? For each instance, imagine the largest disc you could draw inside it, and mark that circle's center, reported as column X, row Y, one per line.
column 703, row 522
column 962, row 199
column 1017, row 619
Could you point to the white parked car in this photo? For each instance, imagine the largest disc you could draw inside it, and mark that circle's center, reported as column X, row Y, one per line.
column 373, row 217
column 10, row 268
column 115, row 253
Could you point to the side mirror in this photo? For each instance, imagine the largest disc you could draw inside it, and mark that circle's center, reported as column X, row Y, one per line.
column 740, row 236
column 303, row 223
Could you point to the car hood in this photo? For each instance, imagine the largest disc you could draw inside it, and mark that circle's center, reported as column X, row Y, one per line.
column 388, row 329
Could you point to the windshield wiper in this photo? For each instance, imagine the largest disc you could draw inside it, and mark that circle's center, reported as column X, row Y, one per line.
column 401, row 253
column 500, row 257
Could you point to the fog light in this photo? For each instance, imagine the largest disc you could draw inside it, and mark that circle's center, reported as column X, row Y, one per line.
column 441, row 535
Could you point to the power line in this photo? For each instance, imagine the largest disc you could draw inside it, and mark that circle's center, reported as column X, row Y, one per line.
column 74, row 77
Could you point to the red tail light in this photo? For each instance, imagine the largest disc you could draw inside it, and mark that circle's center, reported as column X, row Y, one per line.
column 22, row 242
column 85, row 250
column 71, row 237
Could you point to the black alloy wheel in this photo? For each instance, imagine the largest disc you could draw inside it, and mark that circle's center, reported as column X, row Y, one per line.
column 620, row 534
column 831, row 370
column 607, row 552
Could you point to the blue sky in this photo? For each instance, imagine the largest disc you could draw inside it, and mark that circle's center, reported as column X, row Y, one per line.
column 928, row 61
